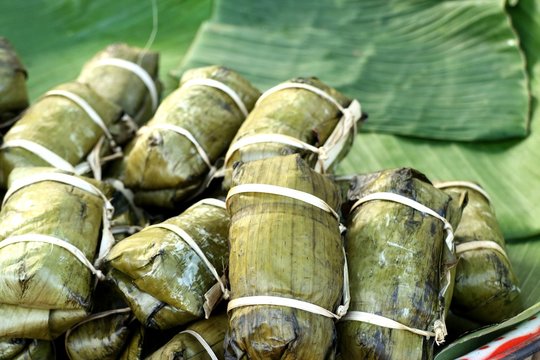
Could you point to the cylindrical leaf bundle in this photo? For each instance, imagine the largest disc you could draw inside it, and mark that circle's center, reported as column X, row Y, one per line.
column 161, row 276
column 163, row 165
column 59, row 125
column 283, row 247
column 399, row 265
column 486, row 288
column 45, row 285
column 13, row 94
column 187, row 346
column 294, row 112
column 128, row 77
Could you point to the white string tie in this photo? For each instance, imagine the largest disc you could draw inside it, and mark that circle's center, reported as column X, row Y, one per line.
column 283, row 191
column 480, row 245
column 388, row 196
column 42, row 152
column 193, row 245
column 203, row 342
column 465, row 184
column 40, row 238
column 220, row 86
column 89, row 110
column 439, row 327
column 94, row 317
column 136, row 69
column 282, row 301
column 379, row 320
column 184, row 132
column 212, row 202
column 107, row 239
column 326, row 154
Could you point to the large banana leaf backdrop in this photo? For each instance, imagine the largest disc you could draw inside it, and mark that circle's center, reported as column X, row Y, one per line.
column 451, row 87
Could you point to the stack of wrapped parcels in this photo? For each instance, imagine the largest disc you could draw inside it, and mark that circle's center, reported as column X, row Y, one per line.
column 209, row 225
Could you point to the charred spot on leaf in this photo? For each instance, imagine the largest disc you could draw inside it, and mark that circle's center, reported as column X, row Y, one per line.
column 83, row 210
column 226, row 106
column 237, row 164
column 178, row 355
column 151, row 322
column 433, row 229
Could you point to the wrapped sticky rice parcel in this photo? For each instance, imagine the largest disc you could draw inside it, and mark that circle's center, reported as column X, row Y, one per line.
column 287, row 261
column 486, row 288
column 13, row 94
column 26, row 349
column 126, row 76
column 399, row 245
column 174, row 155
column 61, row 129
column 171, row 273
column 202, row 340
column 111, row 332
column 302, row 116
column 50, row 234
column 108, row 335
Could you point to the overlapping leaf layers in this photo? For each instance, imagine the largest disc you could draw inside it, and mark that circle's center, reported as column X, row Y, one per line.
column 175, row 154
column 304, row 116
column 126, row 76
column 22, row 349
column 166, row 271
column 201, row 340
column 285, row 252
column 60, row 130
column 110, row 335
column 400, row 254
column 486, row 288
column 50, row 231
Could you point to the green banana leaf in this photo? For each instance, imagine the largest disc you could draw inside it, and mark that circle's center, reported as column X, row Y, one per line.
column 507, row 170
column 55, row 38
column 420, row 68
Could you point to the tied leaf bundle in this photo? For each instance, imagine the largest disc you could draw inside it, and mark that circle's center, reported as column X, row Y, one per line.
column 287, row 248
column 187, row 346
column 45, row 287
column 486, row 288
column 61, row 126
column 162, row 278
column 399, row 265
column 111, row 335
column 164, row 166
column 111, row 73
column 13, row 94
column 299, row 114
column 26, row 349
